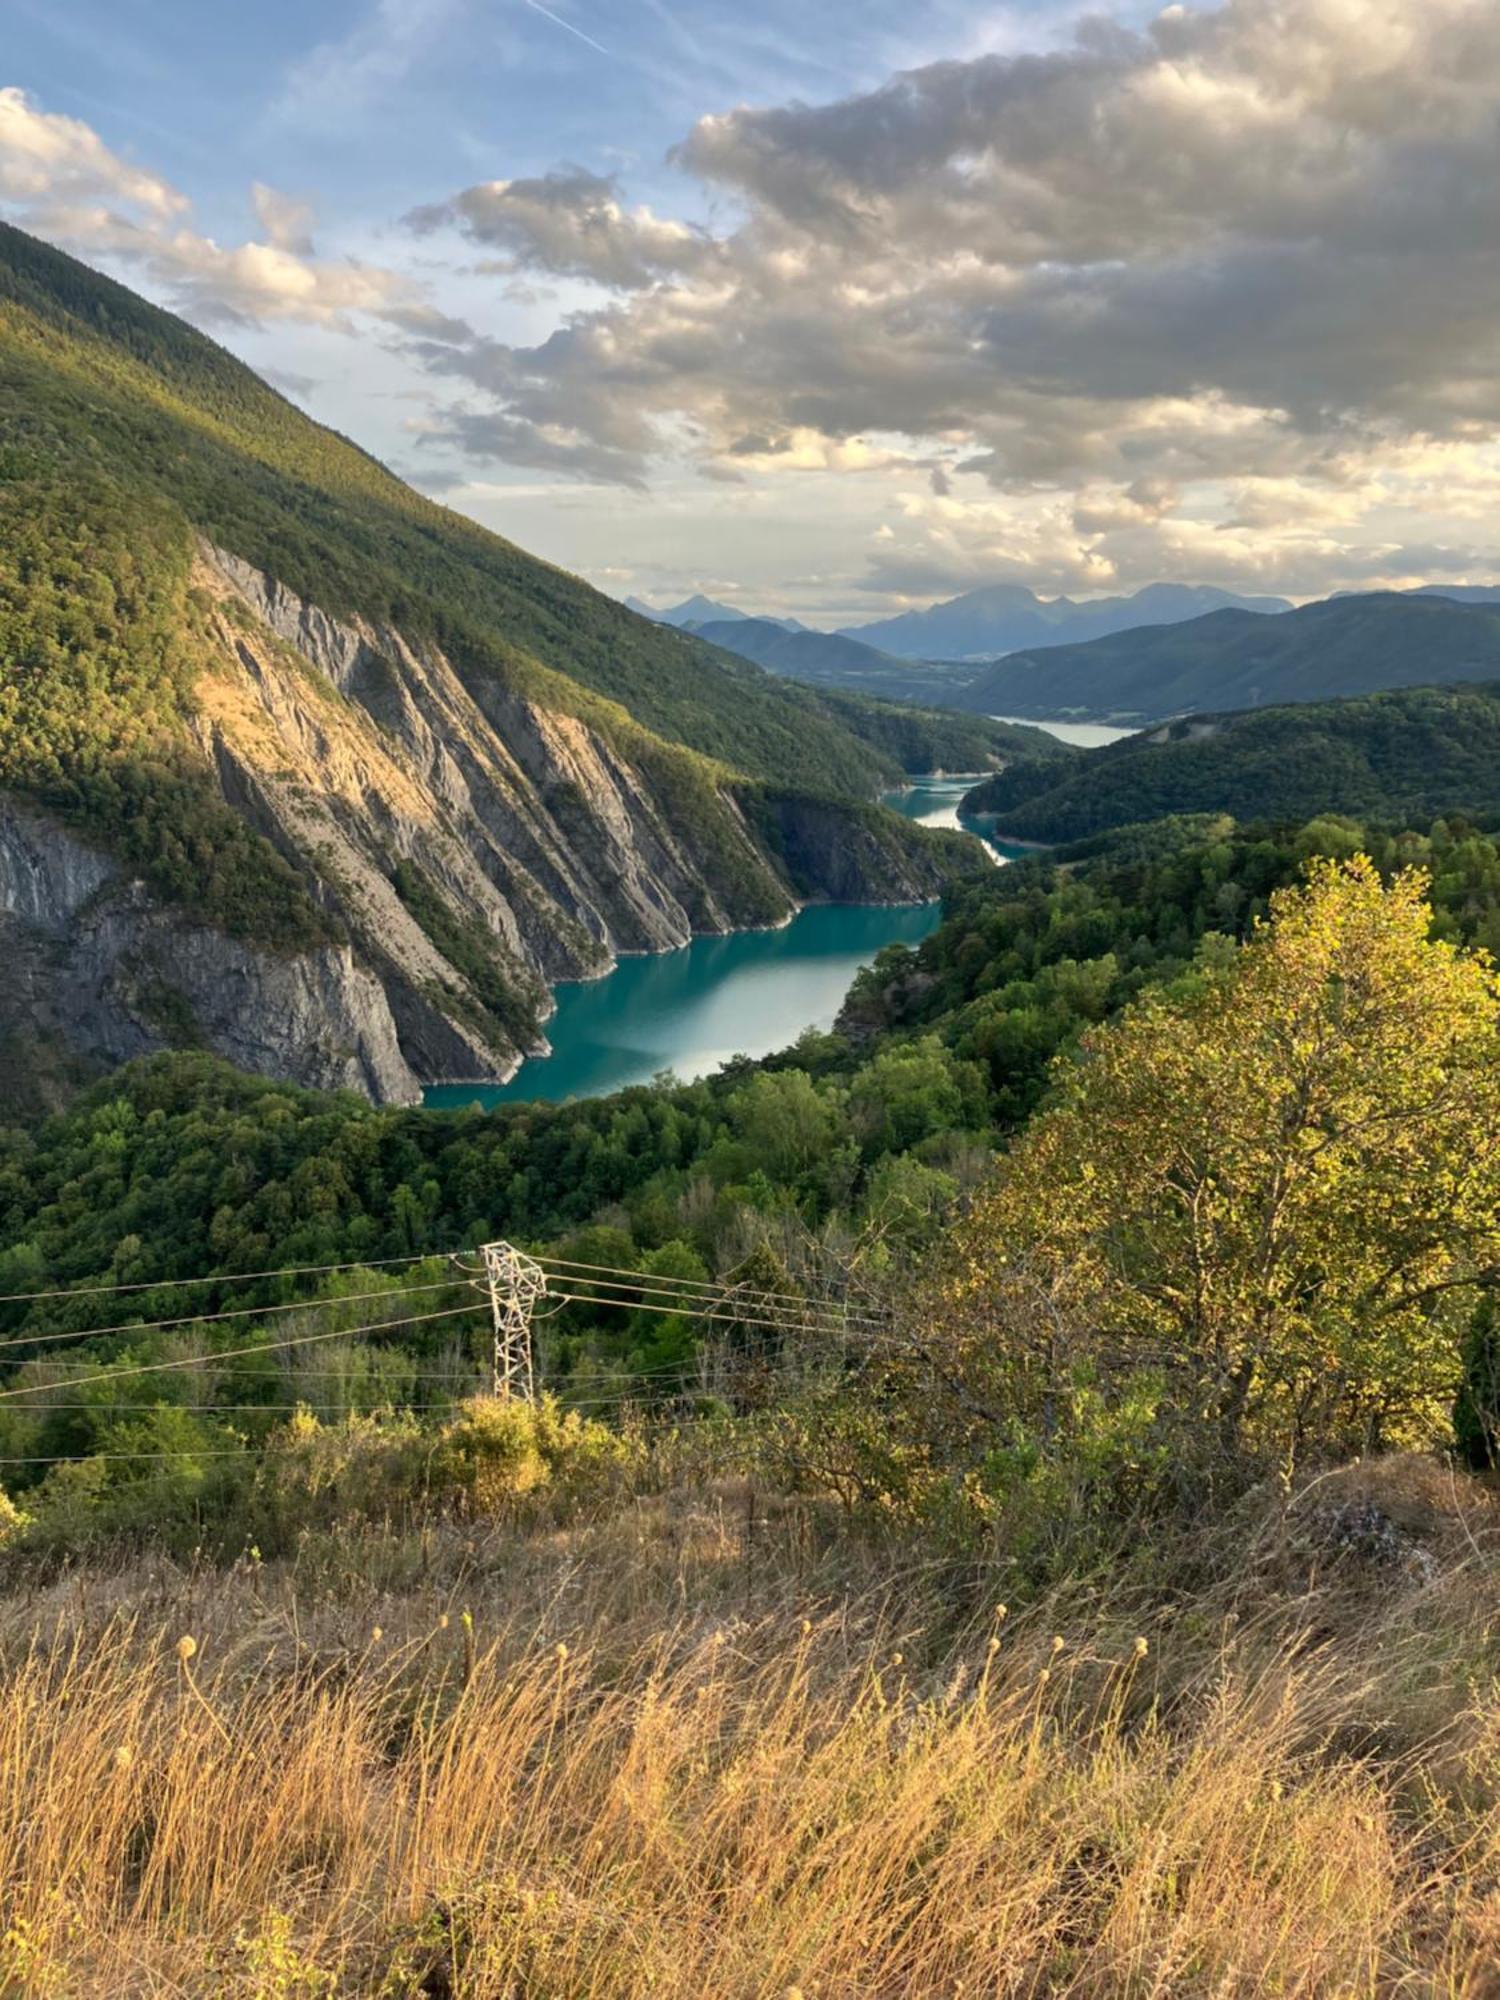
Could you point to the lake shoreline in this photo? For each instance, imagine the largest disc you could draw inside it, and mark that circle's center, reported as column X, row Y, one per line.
column 693, row 1006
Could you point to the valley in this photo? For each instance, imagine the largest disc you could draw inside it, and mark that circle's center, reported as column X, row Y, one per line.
column 331, row 781
column 697, row 1307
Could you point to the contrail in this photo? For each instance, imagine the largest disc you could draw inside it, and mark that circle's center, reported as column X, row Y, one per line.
column 537, row 8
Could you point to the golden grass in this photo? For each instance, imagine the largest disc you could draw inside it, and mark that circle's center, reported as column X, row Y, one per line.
column 664, row 1756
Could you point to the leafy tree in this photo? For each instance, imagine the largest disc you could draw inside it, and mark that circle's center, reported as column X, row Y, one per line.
column 1259, row 1198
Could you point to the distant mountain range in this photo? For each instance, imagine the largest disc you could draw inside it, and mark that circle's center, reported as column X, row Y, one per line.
column 833, row 660
column 1403, row 757
column 1009, row 618
column 1238, row 659
column 700, row 610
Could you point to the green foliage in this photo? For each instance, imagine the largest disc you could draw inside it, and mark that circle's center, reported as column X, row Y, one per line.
column 101, row 650
column 1243, row 1233
column 1400, row 757
column 1476, row 1409
column 1235, row 659
column 862, row 1138
column 497, row 1451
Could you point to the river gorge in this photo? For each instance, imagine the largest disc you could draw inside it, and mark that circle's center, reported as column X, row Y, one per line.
column 690, row 1010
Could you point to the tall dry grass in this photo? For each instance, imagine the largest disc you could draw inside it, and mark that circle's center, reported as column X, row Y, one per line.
column 694, row 1752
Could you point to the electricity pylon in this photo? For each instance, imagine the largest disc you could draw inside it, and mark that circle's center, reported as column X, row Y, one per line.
column 515, row 1283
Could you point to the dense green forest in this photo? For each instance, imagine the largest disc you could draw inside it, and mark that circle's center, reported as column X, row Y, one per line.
column 853, row 1145
column 1244, row 659
column 1403, row 756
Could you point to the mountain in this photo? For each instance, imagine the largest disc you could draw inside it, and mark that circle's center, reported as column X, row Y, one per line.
column 1235, row 659
column 700, row 610
column 834, row 660
column 1403, row 757
column 1007, row 617
column 300, row 767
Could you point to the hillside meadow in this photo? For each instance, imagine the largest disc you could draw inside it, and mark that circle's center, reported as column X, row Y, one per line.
column 707, row 1741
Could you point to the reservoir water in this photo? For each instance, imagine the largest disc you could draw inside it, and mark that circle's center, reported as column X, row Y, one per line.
column 691, row 1010
column 1083, row 735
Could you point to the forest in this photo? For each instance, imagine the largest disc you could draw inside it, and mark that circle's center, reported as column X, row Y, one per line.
column 851, row 1151
column 1131, row 1520
column 1402, row 757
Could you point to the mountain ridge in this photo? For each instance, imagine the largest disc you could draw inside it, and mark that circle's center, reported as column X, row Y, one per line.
column 1397, row 757
column 1003, row 618
column 326, row 738
column 1230, row 659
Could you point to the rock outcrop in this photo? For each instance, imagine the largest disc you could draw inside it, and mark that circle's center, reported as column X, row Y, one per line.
column 471, row 843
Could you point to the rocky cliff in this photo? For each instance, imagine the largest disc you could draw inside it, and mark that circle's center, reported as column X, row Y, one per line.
column 304, row 768
column 470, row 845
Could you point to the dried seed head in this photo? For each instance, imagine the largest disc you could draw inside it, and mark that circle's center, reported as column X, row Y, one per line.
column 896, row 1659
column 562, row 1652
column 1058, row 1642
column 442, row 1621
column 187, row 1645
column 1141, row 1649
column 1044, row 1676
column 124, row 1757
column 994, row 1645
column 376, row 1635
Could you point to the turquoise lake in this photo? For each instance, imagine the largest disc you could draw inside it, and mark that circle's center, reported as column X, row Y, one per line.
column 691, row 1010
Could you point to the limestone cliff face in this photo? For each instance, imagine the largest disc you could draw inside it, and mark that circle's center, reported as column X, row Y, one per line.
column 471, row 842
column 91, row 963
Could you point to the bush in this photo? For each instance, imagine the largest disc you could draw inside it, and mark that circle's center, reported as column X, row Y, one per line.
column 498, row 1451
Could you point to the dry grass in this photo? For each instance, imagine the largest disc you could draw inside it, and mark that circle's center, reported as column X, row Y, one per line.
column 664, row 1757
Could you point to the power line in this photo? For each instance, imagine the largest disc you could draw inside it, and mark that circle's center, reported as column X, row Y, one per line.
column 234, row 1353
column 226, row 1278
column 234, row 1312
column 573, row 1271
column 676, row 1310
column 688, row 1306
column 697, row 1289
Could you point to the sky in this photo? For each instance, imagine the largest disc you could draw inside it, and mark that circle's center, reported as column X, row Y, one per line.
column 830, row 310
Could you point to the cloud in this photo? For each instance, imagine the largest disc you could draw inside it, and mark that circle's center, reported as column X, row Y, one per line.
column 62, row 159
column 1223, row 258
column 287, row 222
column 339, row 81
column 58, row 178
column 571, row 224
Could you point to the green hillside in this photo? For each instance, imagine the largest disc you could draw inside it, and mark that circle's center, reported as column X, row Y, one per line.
column 1243, row 659
column 1406, row 756
column 124, row 433
column 836, row 660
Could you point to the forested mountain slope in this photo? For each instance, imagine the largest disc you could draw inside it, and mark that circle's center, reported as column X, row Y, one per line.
column 298, row 766
column 1401, row 757
column 836, row 660
column 1239, row 659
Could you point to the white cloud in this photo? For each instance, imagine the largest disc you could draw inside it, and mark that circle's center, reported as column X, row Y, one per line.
column 47, row 156
column 58, row 178
column 570, row 222
column 339, row 81
column 1158, row 291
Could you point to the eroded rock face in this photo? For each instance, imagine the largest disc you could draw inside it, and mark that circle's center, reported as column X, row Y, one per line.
column 91, row 961
column 474, row 842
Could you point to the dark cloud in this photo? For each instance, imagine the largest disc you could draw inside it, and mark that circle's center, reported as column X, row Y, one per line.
column 1242, row 241
column 570, row 222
